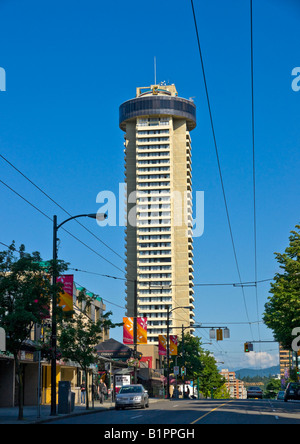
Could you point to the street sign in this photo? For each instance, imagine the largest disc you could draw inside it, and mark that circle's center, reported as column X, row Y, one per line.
column 2, row 340
column 176, row 370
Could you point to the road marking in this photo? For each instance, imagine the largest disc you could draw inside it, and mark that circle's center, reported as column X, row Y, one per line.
column 139, row 416
column 213, row 410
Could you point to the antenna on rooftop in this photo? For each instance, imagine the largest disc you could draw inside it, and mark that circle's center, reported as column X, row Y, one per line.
column 154, row 70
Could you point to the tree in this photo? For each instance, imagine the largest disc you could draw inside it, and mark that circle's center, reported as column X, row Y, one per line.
column 79, row 335
column 25, row 294
column 272, row 388
column 282, row 312
column 200, row 364
column 190, row 353
column 210, row 380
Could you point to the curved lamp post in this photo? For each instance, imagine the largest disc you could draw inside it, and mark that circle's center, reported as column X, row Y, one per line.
column 100, row 217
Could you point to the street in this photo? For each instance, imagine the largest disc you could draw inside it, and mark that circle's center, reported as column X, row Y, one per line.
column 194, row 412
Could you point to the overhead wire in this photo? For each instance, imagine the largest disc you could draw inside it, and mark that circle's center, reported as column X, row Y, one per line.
column 67, row 231
column 254, row 158
column 232, row 284
column 219, row 162
column 59, row 206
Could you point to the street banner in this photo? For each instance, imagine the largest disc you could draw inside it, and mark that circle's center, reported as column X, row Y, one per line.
column 66, row 297
column 173, row 345
column 142, row 330
column 128, row 331
column 162, row 345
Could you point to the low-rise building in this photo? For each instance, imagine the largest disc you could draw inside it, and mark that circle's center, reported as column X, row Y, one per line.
column 235, row 387
column 31, row 362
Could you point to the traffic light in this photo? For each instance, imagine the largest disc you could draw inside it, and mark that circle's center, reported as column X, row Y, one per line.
column 182, row 371
column 219, row 334
column 248, row 347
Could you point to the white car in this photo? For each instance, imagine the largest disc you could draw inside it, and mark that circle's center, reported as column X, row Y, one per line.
column 132, row 396
column 254, row 392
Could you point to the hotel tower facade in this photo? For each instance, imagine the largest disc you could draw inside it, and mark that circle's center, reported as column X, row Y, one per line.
column 159, row 243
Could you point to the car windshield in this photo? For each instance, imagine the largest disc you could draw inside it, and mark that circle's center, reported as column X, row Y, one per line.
column 254, row 389
column 294, row 385
column 131, row 389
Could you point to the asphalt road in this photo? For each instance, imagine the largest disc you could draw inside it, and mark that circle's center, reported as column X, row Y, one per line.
column 194, row 413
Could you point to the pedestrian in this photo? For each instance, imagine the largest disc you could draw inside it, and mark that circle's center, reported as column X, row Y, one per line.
column 83, row 392
column 102, row 391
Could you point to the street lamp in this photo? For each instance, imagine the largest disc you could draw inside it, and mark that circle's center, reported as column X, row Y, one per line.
column 100, row 217
column 168, row 346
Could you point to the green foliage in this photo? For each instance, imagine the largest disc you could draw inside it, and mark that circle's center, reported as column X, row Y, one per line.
column 282, row 312
column 210, row 379
column 272, row 388
column 25, row 294
column 200, row 364
column 191, row 359
column 79, row 335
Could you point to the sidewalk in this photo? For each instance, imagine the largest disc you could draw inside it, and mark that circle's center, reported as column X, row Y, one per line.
column 9, row 415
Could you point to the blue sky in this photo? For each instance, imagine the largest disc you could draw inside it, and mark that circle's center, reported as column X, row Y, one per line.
column 69, row 65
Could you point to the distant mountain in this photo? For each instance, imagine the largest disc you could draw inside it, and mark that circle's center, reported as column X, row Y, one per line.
column 244, row 372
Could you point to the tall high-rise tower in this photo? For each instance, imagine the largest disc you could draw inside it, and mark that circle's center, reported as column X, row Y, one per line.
column 159, row 244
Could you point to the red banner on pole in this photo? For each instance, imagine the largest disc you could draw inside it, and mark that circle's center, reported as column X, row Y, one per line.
column 162, row 345
column 128, row 331
column 173, row 345
column 66, row 297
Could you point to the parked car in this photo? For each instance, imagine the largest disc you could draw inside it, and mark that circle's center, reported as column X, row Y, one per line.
column 254, row 392
column 280, row 396
column 132, row 396
column 292, row 391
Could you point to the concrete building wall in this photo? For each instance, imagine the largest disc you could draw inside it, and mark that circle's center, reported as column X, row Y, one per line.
column 159, row 241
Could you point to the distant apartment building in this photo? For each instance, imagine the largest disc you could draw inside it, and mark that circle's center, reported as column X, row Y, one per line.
column 235, row 387
column 287, row 361
column 159, row 244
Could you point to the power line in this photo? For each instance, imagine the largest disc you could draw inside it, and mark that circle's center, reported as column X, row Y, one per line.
column 27, row 201
column 253, row 155
column 218, row 159
column 98, row 274
column 106, row 300
column 60, row 206
column 232, row 284
column 72, row 235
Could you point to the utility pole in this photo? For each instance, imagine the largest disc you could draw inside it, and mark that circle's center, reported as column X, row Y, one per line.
column 135, row 310
column 168, row 345
column 54, row 320
column 56, row 227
